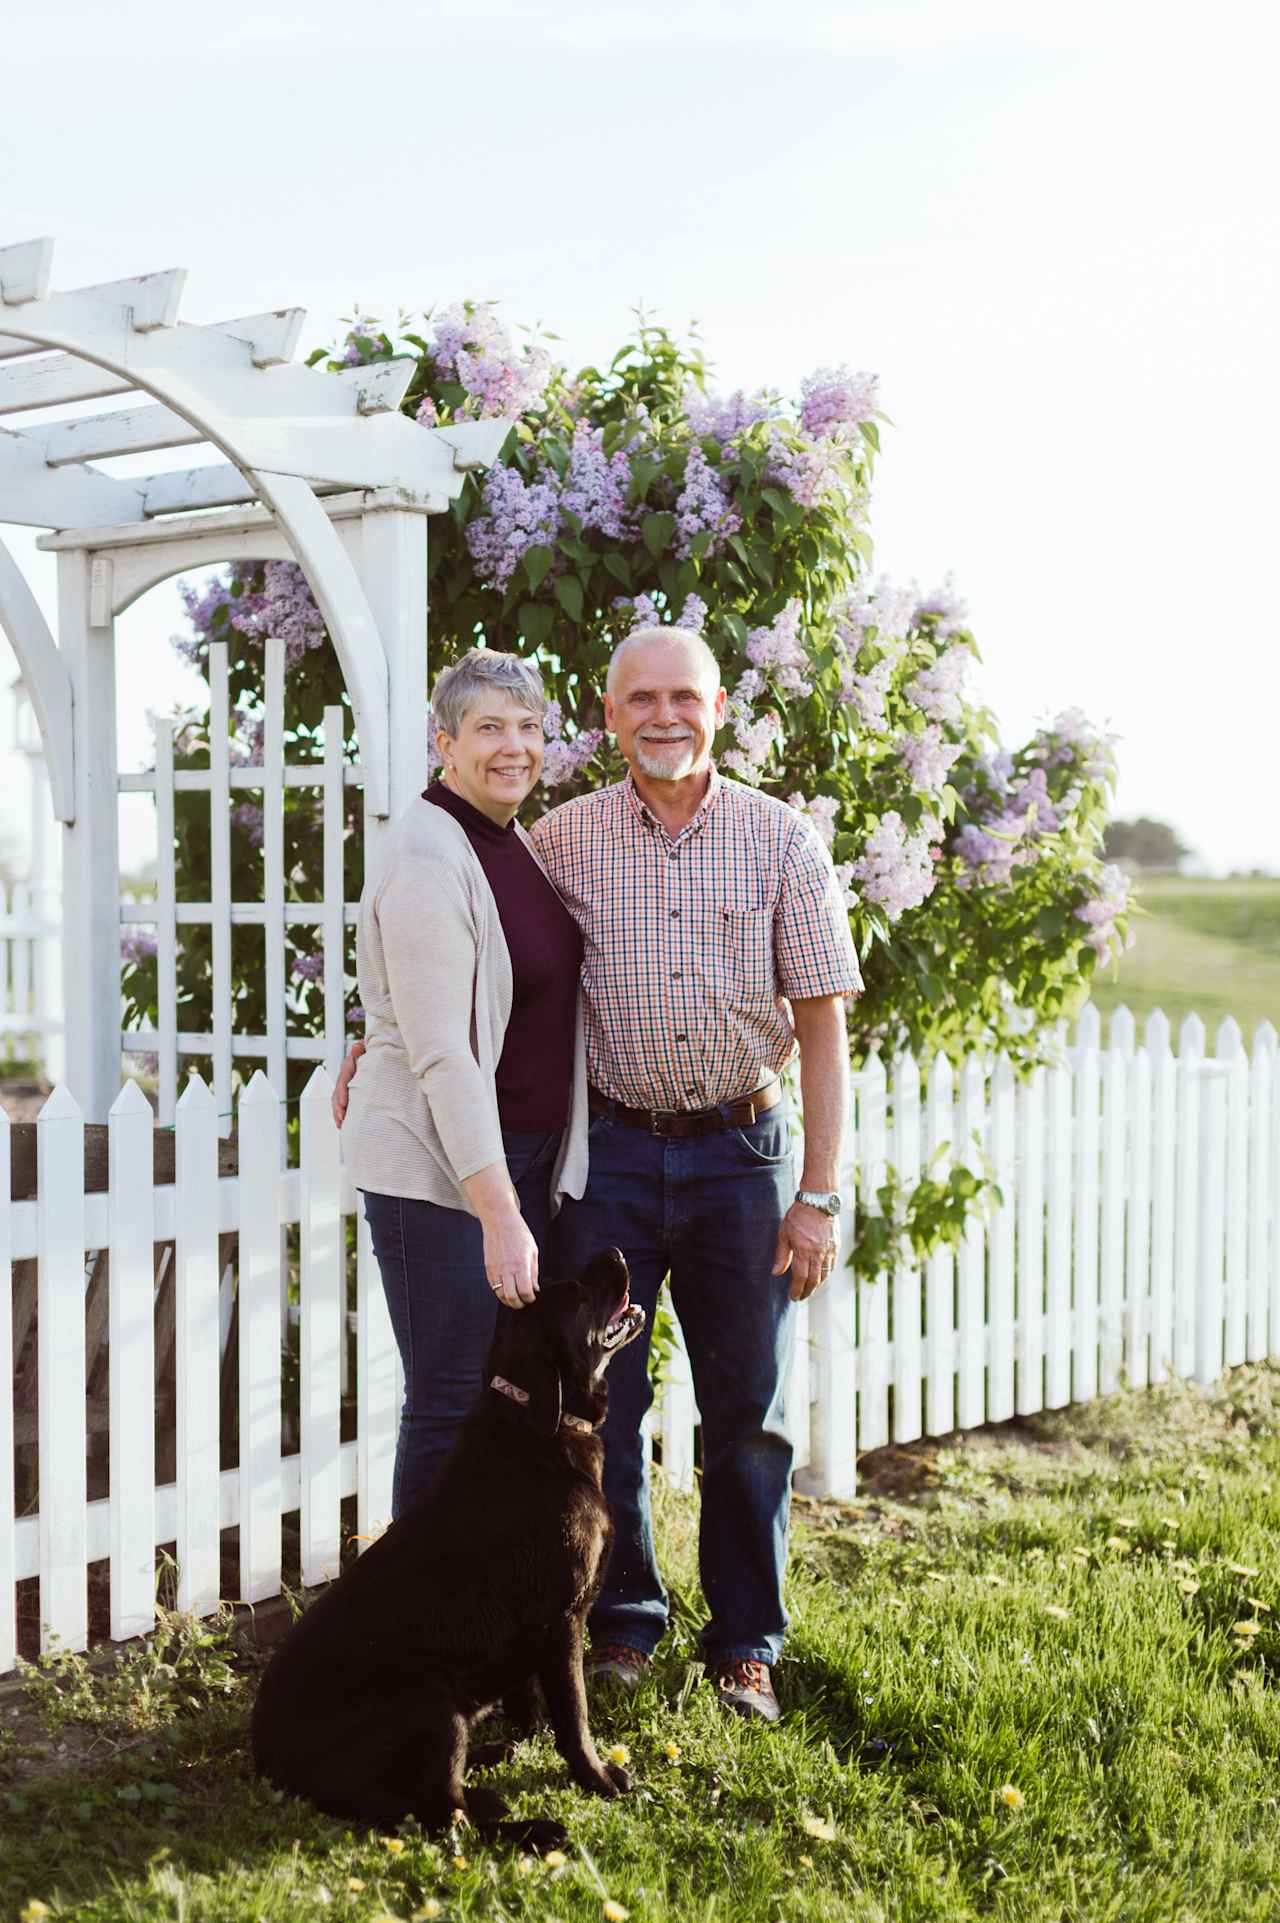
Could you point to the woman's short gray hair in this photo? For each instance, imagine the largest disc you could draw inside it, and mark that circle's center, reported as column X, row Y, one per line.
column 481, row 672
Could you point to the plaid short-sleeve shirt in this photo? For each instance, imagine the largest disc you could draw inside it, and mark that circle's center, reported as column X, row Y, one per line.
column 689, row 942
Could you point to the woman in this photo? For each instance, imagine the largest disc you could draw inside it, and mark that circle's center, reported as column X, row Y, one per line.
column 468, row 1121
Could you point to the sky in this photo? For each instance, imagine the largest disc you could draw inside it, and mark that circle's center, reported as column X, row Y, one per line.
column 1052, row 230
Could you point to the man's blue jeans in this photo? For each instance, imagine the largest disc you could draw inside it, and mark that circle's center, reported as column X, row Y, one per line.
column 707, row 1210
column 442, row 1309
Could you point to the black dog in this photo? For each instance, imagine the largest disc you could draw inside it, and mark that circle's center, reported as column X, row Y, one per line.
column 477, row 1592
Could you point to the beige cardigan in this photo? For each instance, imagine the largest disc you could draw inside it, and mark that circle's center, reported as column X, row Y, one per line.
column 435, row 980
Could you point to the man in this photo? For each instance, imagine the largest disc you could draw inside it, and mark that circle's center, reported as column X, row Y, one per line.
column 702, row 903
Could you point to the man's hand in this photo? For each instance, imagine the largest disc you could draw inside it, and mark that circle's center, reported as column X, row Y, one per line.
column 808, row 1242
column 338, row 1100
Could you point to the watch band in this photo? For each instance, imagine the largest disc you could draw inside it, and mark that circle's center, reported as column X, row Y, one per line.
column 830, row 1203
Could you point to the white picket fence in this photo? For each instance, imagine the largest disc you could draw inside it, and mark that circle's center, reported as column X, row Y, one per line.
column 29, row 986
column 1138, row 1236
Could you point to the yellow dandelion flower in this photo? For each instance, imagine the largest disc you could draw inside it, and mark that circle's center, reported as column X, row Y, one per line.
column 384, row 1916
column 805, row 1862
column 391, row 1844
column 1241, row 1569
column 429, row 1908
column 355, row 1884
column 1256, row 1602
column 619, row 1753
column 614, row 1912
column 1056, row 1610
column 819, row 1827
column 555, row 1859
column 32, row 1912
column 1081, row 1554
column 1189, row 1586
column 1170, row 1522
column 1248, row 1628
column 1119, row 1544
column 524, row 1865
column 1126, row 1522
column 1034, row 1555
column 1187, row 1567
column 1011, row 1796
column 459, row 1862
column 672, row 1752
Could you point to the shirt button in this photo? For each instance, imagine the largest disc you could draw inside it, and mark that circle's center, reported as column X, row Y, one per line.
column 682, row 1038
column 675, row 914
column 675, row 974
column 691, row 1091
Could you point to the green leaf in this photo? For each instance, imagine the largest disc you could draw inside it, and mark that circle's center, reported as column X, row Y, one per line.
column 657, row 532
column 536, row 562
column 618, row 566
column 569, row 595
column 536, row 621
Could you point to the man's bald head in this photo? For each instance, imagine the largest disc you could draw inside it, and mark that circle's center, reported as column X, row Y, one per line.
column 708, row 668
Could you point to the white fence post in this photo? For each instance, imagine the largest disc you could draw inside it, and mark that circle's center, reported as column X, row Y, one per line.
column 1137, row 1306
column 259, row 1339
column 1187, row 1226
column 1164, row 1148
column 873, row 1300
column 1057, row 1370
column 8, row 1539
column 1230, row 1049
column 940, row 1361
column 131, row 1364
column 1030, row 1137
column 907, row 1357
column 1264, row 1198
column 323, row 1317
column 378, row 1395
column 1209, row 1278
column 1111, row 1266
column 971, row 1265
column 64, row 1594
column 196, row 1347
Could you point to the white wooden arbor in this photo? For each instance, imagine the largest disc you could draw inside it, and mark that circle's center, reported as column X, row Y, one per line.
column 316, row 467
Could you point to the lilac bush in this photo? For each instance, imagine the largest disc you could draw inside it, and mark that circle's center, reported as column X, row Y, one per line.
column 634, row 491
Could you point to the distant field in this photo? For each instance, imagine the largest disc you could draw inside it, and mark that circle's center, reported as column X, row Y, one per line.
column 1210, row 948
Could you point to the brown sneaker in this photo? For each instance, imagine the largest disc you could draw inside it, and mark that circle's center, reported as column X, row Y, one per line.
column 746, row 1688
column 616, row 1663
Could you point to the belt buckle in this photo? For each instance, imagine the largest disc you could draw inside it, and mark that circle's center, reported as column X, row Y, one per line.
column 655, row 1117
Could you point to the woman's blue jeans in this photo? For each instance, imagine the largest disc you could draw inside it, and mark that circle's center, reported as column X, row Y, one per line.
column 442, row 1309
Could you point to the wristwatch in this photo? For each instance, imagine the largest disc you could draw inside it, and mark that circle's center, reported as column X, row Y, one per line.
column 816, row 1199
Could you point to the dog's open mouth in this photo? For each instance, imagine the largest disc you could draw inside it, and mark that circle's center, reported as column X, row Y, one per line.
column 626, row 1321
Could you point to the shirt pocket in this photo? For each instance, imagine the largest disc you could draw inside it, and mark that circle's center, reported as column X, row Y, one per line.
column 738, row 931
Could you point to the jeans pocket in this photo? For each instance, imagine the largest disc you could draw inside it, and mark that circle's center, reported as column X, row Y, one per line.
column 767, row 1143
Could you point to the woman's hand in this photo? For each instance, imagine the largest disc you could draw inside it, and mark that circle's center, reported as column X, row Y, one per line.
column 510, row 1258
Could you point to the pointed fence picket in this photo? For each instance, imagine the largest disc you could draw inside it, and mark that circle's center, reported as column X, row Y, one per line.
column 1138, row 1236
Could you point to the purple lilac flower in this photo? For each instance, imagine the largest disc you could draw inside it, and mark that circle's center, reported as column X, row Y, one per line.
column 897, row 869
column 711, row 417
column 596, row 486
column 936, row 690
column 1011, row 835
column 518, row 515
column 866, row 693
column 703, row 507
column 476, row 349
column 564, row 760
column 886, row 611
column 943, row 607
column 834, row 401
column 756, row 737
column 928, row 758
column 355, row 1016
column 810, row 471
column 845, row 879
column 693, row 615
column 1101, row 911
column 362, row 331
column 248, row 815
column 309, row 967
column 644, row 611
column 779, row 650
column 822, row 810
column 427, row 414
column 137, row 945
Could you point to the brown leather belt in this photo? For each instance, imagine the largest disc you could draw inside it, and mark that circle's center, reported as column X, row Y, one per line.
column 693, row 1121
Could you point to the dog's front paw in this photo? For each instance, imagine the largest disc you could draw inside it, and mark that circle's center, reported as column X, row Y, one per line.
column 610, row 1780
column 619, row 1777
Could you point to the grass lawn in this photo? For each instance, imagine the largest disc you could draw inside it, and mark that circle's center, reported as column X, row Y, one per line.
column 1210, row 948
column 1032, row 1675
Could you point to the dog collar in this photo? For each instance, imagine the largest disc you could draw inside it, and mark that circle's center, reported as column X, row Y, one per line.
column 514, row 1394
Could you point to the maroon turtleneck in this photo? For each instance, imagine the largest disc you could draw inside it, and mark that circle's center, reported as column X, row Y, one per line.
column 535, row 1072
